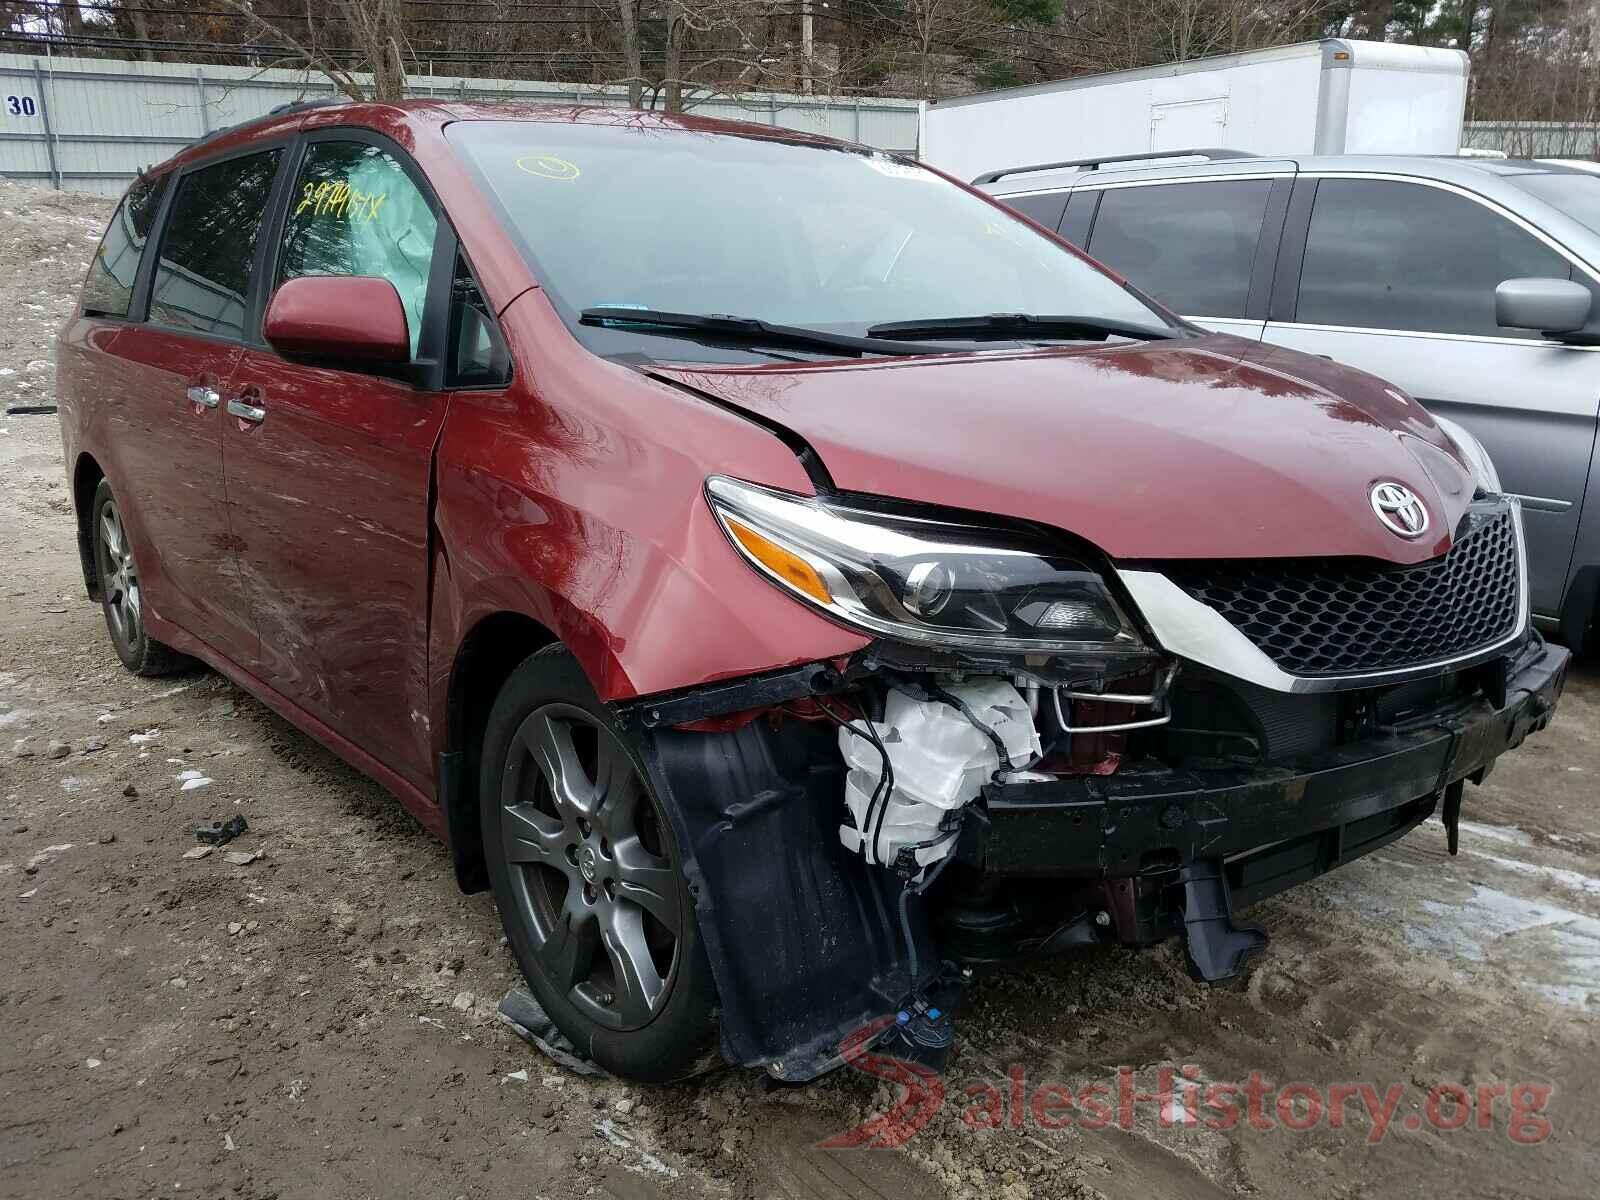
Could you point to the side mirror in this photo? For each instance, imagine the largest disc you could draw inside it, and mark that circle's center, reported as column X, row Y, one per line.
column 1552, row 306
column 355, row 318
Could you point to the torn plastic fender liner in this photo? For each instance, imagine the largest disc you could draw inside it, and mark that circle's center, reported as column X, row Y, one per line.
column 804, row 940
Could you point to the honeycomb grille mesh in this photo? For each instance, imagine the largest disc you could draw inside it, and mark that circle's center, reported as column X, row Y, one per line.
column 1334, row 616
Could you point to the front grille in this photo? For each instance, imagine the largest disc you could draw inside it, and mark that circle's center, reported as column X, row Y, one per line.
column 1343, row 616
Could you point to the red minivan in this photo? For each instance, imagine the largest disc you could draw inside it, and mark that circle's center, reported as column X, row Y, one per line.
column 789, row 579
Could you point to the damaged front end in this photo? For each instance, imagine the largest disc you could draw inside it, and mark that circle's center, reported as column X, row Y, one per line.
column 1020, row 765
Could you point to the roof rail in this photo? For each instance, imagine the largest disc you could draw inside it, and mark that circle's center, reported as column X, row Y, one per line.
column 1094, row 164
column 291, row 107
column 302, row 105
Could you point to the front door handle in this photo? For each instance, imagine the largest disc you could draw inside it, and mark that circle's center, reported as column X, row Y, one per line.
column 205, row 397
column 253, row 413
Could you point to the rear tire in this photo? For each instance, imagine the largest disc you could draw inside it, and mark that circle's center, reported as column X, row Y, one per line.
column 121, row 597
column 587, row 876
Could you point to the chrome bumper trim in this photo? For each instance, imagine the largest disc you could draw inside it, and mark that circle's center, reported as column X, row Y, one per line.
column 1191, row 630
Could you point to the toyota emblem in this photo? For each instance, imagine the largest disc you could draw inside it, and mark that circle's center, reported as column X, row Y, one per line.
column 1399, row 508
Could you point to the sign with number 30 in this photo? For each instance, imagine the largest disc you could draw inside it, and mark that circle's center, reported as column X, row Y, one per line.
column 21, row 106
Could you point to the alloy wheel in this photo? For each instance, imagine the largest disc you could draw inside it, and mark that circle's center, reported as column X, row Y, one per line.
column 590, row 867
column 119, row 581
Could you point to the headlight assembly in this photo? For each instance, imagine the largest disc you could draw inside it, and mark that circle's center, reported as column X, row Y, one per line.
column 930, row 582
column 1476, row 457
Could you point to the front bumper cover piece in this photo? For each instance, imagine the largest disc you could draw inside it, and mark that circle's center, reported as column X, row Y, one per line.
column 1143, row 819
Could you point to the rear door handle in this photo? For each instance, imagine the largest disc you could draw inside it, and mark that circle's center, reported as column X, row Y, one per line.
column 253, row 413
column 206, row 397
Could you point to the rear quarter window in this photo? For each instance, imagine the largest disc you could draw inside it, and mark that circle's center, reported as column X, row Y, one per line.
column 108, row 290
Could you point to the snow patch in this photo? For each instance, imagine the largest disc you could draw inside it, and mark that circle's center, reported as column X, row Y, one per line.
column 623, row 1140
column 1572, row 880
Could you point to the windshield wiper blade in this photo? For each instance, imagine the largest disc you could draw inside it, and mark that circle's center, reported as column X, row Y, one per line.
column 751, row 330
column 1022, row 325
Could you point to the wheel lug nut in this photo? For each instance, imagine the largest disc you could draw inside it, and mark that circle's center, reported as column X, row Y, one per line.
column 605, row 847
column 589, row 895
column 572, row 855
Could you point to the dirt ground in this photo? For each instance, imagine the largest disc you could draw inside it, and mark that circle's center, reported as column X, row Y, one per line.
column 320, row 1022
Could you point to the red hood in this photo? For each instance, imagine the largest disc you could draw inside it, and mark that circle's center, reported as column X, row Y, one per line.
column 1215, row 447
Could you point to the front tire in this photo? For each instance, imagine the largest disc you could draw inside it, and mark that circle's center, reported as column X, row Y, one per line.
column 121, row 596
column 587, row 877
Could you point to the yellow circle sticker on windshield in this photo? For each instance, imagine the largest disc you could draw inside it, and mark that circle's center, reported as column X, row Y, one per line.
column 548, row 166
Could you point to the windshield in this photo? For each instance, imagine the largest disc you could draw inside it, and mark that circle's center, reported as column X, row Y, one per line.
column 1576, row 194
column 792, row 234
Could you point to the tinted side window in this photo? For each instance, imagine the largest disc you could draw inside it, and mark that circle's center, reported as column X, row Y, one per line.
column 1190, row 245
column 1044, row 208
column 1080, row 215
column 1383, row 255
column 355, row 211
column 478, row 354
column 203, row 278
column 108, row 290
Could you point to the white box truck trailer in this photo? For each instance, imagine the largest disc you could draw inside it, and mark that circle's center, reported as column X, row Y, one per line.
column 1334, row 96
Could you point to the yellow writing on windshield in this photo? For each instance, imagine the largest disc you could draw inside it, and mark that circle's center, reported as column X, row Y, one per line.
column 340, row 199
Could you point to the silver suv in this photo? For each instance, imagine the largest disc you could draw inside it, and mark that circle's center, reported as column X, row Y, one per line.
column 1470, row 283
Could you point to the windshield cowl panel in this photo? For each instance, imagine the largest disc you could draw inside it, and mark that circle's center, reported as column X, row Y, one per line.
column 690, row 360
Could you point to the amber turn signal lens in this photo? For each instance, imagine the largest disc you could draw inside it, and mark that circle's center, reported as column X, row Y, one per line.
column 785, row 564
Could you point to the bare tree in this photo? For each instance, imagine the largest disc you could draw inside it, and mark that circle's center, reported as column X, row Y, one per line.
column 1534, row 62
column 632, row 60
column 1119, row 34
column 677, row 32
column 376, row 30
column 141, row 30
